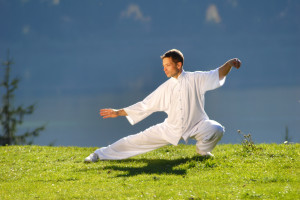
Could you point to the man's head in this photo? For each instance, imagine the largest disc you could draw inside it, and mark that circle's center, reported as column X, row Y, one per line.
column 172, row 62
column 175, row 54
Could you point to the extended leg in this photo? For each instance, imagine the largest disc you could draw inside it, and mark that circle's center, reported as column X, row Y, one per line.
column 133, row 145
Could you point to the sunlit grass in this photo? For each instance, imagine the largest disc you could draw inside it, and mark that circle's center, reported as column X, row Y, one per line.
column 172, row 172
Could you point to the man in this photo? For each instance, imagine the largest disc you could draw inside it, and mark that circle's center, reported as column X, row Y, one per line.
column 182, row 98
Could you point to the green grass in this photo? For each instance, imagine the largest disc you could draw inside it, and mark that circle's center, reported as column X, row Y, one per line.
column 172, row 172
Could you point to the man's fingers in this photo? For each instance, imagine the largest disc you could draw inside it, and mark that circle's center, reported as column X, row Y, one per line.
column 239, row 63
column 236, row 63
column 108, row 113
column 105, row 110
column 105, row 113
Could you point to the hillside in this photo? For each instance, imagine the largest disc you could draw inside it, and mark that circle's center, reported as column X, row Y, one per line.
column 270, row 171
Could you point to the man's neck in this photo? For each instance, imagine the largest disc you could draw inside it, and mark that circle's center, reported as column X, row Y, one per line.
column 178, row 74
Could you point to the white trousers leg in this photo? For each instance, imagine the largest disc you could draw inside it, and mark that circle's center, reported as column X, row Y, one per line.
column 208, row 134
column 133, row 145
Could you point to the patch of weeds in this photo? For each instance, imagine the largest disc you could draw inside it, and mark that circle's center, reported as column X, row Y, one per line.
column 270, row 180
column 247, row 142
column 72, row 179
column 286, row 166
column 210, row 164
column 251, row 195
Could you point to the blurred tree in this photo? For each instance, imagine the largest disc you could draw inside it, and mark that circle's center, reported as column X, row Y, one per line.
column 11, row 117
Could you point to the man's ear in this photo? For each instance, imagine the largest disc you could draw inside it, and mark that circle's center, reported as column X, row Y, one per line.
column 179, row 65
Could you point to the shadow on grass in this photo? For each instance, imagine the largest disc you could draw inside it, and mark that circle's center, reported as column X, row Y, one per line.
column 153, row 166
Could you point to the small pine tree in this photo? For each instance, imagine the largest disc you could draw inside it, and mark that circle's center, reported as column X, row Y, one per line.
column 11, row 117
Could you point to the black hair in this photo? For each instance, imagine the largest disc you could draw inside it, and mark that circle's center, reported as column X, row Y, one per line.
column 175, row 54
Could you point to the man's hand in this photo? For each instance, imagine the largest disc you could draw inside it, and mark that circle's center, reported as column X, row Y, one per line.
column 112, row 113
column 235, row 62
column 225, row 69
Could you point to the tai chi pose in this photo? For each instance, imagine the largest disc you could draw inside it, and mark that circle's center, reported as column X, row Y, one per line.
column 182, row 98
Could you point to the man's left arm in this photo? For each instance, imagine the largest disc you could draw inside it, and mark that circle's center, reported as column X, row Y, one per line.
column 226, row 67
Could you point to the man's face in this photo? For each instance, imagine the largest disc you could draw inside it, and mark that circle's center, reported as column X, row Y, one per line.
column 171, row 68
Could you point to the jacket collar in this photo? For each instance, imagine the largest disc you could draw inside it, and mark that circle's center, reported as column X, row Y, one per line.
column 180, row 77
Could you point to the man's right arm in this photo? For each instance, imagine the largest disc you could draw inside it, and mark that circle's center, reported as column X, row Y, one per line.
column 112, row 113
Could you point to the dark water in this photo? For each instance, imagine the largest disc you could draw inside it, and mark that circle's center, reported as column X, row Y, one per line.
column 74, row 120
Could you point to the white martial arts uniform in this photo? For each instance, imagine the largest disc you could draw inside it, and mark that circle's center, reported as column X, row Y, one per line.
column 183, row 101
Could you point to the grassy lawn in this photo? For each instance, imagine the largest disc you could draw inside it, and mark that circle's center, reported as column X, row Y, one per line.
column 173, row 172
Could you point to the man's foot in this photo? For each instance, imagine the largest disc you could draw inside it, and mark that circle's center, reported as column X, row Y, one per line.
column 91, row 158
column 205, row 154
column 208, row 154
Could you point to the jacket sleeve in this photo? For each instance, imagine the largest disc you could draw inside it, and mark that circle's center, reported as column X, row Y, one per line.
column 152, row 103
column 209, row 80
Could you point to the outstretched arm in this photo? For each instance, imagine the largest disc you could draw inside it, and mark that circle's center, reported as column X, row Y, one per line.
column 226, row 67
column 112, row 113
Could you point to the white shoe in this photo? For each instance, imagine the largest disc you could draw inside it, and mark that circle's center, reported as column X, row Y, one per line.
column 208, row 154
column 205, row 154
column 91, row 158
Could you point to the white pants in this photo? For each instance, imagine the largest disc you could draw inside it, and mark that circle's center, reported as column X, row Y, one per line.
column 207, row 134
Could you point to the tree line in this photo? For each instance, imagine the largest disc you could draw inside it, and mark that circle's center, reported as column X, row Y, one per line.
column 11, row 116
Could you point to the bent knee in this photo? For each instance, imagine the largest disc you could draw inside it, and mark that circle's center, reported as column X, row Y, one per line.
column 217, row 132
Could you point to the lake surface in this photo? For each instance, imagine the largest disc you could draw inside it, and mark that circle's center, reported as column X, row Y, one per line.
column 74, row 120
